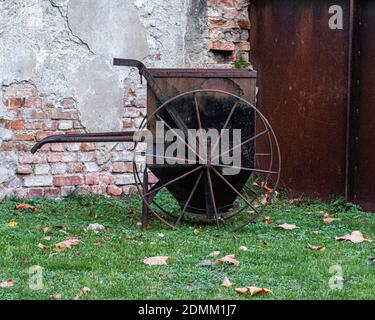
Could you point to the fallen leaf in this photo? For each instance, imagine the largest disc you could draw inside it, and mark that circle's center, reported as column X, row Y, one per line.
column 214, row 254
column 204, row 263
column 371, row 260
column 317, row 248
column 355, row 237
column 330, row 219
column 106, row 238
column 157, row 261
column 67, row 244
column 7, row 284
column 190, row 287
column 41, row 246
column 25, row 206
column 253, row 291
column 56, row 296
column 317, row 232
column 160, row 235
column 264, row 244
column 98, row 245
column 267, row 220
column 231, row 259
column 243, row 248
column 265, row 199
column 198, row 231
column 12, row 224
column 265, row 187
column 95, row 227
column 46, row 230
column 226, row 283
column 287, row 226
column 47, row 238
column 85, row 291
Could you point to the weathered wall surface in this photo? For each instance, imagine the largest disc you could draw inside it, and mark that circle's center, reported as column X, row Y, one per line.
column 56, row 76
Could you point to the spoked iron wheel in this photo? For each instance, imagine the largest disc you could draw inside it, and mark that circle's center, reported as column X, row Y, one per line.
column 229, row 176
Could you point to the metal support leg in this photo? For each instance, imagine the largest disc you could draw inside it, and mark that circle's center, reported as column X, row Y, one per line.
column 144, row 204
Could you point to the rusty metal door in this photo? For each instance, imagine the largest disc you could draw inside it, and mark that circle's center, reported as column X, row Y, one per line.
column 363, row 106
column 303, row 89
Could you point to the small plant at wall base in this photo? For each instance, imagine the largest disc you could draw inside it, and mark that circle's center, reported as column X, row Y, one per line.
column 241, row 62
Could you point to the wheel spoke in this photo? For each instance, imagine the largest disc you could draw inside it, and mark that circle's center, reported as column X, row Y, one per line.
column 234, row 189
column 242, row 143
column 197, row 111
column 247, row 169
column 189, row 199
column 174, row 180
column 225, row 125
column 178, row 136
column 212, row 197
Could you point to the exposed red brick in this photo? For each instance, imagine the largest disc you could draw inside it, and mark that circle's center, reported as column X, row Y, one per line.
column 22, row 147
column 128, row 123
column 61, row 181
column 106, row 179
column 49, row 105
column 33, row 102
column 57, row 147
column 243, row 46
column 214, row 23
column 34, row 125
column 244, row 24
column 65, row 115
column 75, row 168
column 24, row 137
column 92, row 180
column 35, row 192
column 114, row 191
column 7, row 146
column 13, row 103
column 40, row 135
column 55, row 157
column 87, row 147
column 52, row 192
column 14, row 124
column 36, row 115
column 23, row 169
column 221, row 45
column 68, row 103
column 119, row 167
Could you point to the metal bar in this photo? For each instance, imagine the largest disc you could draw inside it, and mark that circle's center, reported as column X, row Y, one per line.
column 212, row 197
column 174, row 180
column 151, row 82
column 247, row 169
column 86, row 137
column 181, row 216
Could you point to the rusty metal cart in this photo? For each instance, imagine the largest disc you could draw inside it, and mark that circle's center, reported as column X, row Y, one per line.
column 185, row 99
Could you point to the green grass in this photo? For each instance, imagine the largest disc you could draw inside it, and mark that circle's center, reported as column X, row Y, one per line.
column 277, row 259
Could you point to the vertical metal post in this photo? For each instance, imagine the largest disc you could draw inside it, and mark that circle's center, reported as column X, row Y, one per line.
column 144, row 204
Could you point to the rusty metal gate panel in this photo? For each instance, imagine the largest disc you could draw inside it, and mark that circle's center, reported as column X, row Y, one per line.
column 303, row 78
column 363, row 135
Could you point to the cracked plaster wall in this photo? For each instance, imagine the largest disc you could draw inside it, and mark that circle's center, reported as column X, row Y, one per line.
column 59, row 50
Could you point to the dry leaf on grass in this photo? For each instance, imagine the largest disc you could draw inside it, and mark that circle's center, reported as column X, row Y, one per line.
column 226, row 283
column 7, row 284
column 67, row 244
column 214, row 254
column 243, row 248
column 56, row 296
column 267, row 220
column 42, row 247
column 25, row 206
column 46, row 230
column 287, row 226
column 355, row 237
column 266, row 187
column 198, row 231
column 160, row 235
column 157, row 261
column 231, row 259
column 253, row 291
column 371, row 260
column 317, row 248
column 330, row 219
column 12, row 224
column 95, row 227
column 85, row 291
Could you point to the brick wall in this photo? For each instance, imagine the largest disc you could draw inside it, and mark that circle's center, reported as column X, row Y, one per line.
column 58, row 169
column 228, row 30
